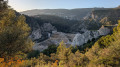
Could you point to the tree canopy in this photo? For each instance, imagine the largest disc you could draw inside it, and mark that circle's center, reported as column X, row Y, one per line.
column 14, row 32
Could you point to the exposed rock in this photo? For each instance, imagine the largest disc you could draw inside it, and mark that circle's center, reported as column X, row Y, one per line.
column 71, row 39
column 104, row 30
column 55, row 38
column 36, row 34
column 80, row 39
column 105, row 16
column 43, row 32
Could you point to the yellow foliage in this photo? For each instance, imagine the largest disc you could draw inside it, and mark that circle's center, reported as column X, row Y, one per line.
column 55, row 64
column 13, row 62
column 1, row 60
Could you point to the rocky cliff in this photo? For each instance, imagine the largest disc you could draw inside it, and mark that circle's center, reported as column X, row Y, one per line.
column 40, row 30
column 105, row 16
column 42, row 33
column 71, row 39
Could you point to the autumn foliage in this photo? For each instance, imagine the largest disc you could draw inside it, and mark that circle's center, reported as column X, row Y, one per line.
column 14, row 62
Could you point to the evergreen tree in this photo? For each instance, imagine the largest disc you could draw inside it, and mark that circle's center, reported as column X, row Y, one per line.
column 63, row 53
column 14, row 34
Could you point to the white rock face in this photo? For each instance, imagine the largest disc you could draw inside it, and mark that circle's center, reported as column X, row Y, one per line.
column 80, row 39
column 104, row 31
column 71, row 39
column 36, row 34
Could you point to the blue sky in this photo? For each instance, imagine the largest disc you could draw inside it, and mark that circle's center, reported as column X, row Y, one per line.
column 22, row 5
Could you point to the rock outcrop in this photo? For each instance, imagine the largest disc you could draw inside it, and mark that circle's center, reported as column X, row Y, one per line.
column 36, row 34
column 42, row 33
column 104, row 30
column 80, row 39
column 105, row 16
column 71, row 39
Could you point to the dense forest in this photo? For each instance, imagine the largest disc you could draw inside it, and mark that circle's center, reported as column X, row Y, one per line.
column 16, row 47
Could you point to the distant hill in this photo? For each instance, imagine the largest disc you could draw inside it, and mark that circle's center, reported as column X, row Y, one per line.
column 106, row 17
column 72, row 14
column 68, row 26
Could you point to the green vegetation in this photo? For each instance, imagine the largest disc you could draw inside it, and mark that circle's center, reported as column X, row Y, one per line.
column 14, row 34
column 66, row 25
column 32, row 54
column 104, row 53
column 108, row 16
column 51, row 49
column 62, row 25
column 16, row 48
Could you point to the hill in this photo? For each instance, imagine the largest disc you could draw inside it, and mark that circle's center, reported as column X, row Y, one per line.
column 106, row 17
column 72, row 14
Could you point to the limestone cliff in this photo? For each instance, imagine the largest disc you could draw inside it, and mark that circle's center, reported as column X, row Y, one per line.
column 71, row 39
column 42, row 33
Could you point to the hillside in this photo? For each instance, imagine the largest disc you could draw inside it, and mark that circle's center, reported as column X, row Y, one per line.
column 60, row 37
column 106, row 17
column 49, row 24
column 72, row 14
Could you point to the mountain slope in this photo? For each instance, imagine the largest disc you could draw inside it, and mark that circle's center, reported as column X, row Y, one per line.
column 106, row 17
column 73, row 14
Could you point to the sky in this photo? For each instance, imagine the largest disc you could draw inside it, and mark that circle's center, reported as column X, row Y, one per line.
column 23, row 5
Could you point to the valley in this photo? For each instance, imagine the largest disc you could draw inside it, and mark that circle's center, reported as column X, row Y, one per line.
column 59, row 33
column 51, row 26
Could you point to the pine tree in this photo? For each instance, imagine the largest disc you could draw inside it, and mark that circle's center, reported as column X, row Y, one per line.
column 14, row 34
column 63, row 53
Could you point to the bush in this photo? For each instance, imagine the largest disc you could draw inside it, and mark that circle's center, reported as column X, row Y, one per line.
column 51, row 49
column 34, row 53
